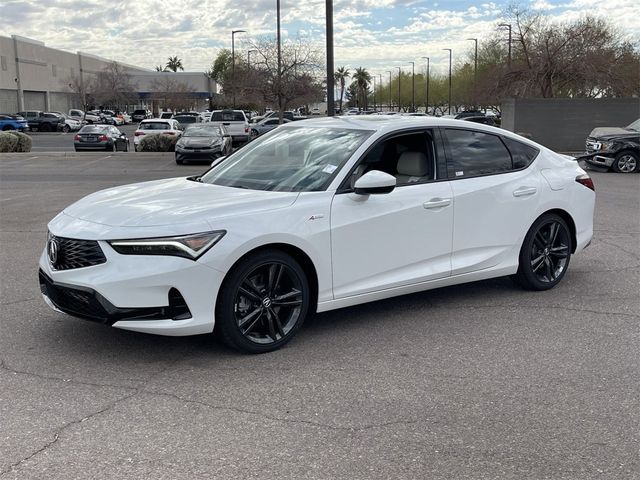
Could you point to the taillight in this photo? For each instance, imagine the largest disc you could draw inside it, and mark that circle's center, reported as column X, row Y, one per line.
column 103, row 138
column 587, row 181
column 77, row 138
column 138, row 133
column 246, row 129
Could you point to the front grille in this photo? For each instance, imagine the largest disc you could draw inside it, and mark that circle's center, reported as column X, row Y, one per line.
column 73, row 253
column 592, row 145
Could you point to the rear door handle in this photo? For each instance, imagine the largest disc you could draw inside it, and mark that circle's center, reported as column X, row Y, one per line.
column 525, row 191
column 437, row 203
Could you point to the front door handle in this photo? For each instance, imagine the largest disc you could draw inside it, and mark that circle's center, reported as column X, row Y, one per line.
column 437, row 203
column 525, row 191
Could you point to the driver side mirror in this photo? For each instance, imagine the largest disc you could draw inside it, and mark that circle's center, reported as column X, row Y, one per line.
column 375, row 182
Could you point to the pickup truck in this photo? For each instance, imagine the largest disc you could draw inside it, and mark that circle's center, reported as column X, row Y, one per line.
column 80, row 115
column 236, row 123
column 614, row 148
column 43, row 121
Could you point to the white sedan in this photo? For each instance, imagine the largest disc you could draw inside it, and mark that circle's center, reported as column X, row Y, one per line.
column 318, row 215
column 151, row 126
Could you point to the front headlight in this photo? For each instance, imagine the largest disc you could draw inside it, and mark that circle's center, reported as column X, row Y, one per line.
column 187, row 246
column 606, row 145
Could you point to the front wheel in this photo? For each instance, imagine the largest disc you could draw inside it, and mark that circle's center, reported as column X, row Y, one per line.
column 626, row 162
column 263, row 302
column 66, row 129
column 545, row 254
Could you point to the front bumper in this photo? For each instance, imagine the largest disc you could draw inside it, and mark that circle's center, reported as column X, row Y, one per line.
column 134, row 292
column 599, row 160
column 198, row 154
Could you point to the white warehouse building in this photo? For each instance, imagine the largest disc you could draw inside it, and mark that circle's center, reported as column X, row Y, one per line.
column 36, row 77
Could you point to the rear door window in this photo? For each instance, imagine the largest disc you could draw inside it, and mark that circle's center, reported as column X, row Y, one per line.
column 473, row 153
column 521, row 153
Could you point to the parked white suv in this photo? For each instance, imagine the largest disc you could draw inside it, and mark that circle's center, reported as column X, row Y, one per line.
column 156, row 125
column 236, row 123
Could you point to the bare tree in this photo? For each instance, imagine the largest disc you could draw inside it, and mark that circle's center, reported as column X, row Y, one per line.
column 173, row 94
column 114, row 87
column 82, row 88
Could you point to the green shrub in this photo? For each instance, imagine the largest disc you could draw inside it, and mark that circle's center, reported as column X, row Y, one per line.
column 8, row 142
column 24, row 142
column 158, row 143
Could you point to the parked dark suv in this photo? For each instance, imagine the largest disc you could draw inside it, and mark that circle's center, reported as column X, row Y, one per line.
column 614, row 147
column 139, row 115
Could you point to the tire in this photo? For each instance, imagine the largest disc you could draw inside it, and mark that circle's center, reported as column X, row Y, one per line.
column 66, row 129
column 626, row 162
column 113, row 148
column 269, row 292
column 179, row 162
column 545, row 254
column 44, row 128
column 7, row 128
column 126, row 147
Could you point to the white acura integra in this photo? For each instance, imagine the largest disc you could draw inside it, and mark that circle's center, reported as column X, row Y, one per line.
column 318, row 215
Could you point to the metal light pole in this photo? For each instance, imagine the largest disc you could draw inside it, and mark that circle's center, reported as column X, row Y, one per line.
column 508, row 25
column 330, row 79
column 399, row 71
column 374, row 92
column 426, row 100
column 381, row 101
column 249, row 52
column 280, row 112
column 233, row 63
column 475, row 59
column 390, row 103
column 413, row 86
column 450, row 53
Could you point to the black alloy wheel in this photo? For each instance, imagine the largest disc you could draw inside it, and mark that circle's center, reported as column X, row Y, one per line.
column 263, row 302
column 545, row 253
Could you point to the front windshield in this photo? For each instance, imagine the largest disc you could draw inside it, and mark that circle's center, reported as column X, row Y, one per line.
column 299, row 159
column 202, row 131
column 635, row 126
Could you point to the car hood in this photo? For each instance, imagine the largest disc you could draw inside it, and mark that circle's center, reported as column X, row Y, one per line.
column 173, row 201
column 612, row 132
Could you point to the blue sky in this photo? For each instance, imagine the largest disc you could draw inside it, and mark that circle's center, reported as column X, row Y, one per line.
column 376, row 34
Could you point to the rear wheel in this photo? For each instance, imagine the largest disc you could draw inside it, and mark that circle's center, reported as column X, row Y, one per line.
column 626, row 162
column 66, row 128
column 545, row 254
column 262, row 302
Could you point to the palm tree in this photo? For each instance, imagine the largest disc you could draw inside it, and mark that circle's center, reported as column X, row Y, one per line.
column 160, row 68
column 174, row 64
column 362, row 79
column 341, row 76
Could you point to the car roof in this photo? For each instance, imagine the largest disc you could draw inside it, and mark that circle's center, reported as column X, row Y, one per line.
column 388, row 124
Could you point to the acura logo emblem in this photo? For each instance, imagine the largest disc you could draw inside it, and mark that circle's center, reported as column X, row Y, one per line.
column 52, row 250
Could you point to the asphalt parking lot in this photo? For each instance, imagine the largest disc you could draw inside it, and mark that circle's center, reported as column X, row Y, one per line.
column 480, row 381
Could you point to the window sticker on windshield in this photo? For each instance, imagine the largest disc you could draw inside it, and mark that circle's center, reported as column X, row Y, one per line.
column 329, row 169
column 459, row 174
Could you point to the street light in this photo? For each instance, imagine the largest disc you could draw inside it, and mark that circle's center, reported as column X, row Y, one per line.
column 390, row 103
column 279, row 76
column 413, row 86
column 426, row 100
column 450, row 53
column 249, row 52
column 475, row 57
column 399, row 71
column 508, row 25
column 374, row 92
column 233, row 63
column 380, row 77
column 331, row 108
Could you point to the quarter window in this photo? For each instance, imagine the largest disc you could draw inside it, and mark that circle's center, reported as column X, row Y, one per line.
column 521, row 153
column 475, row 153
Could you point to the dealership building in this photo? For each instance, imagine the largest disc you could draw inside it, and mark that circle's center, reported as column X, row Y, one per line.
column 36, row 77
